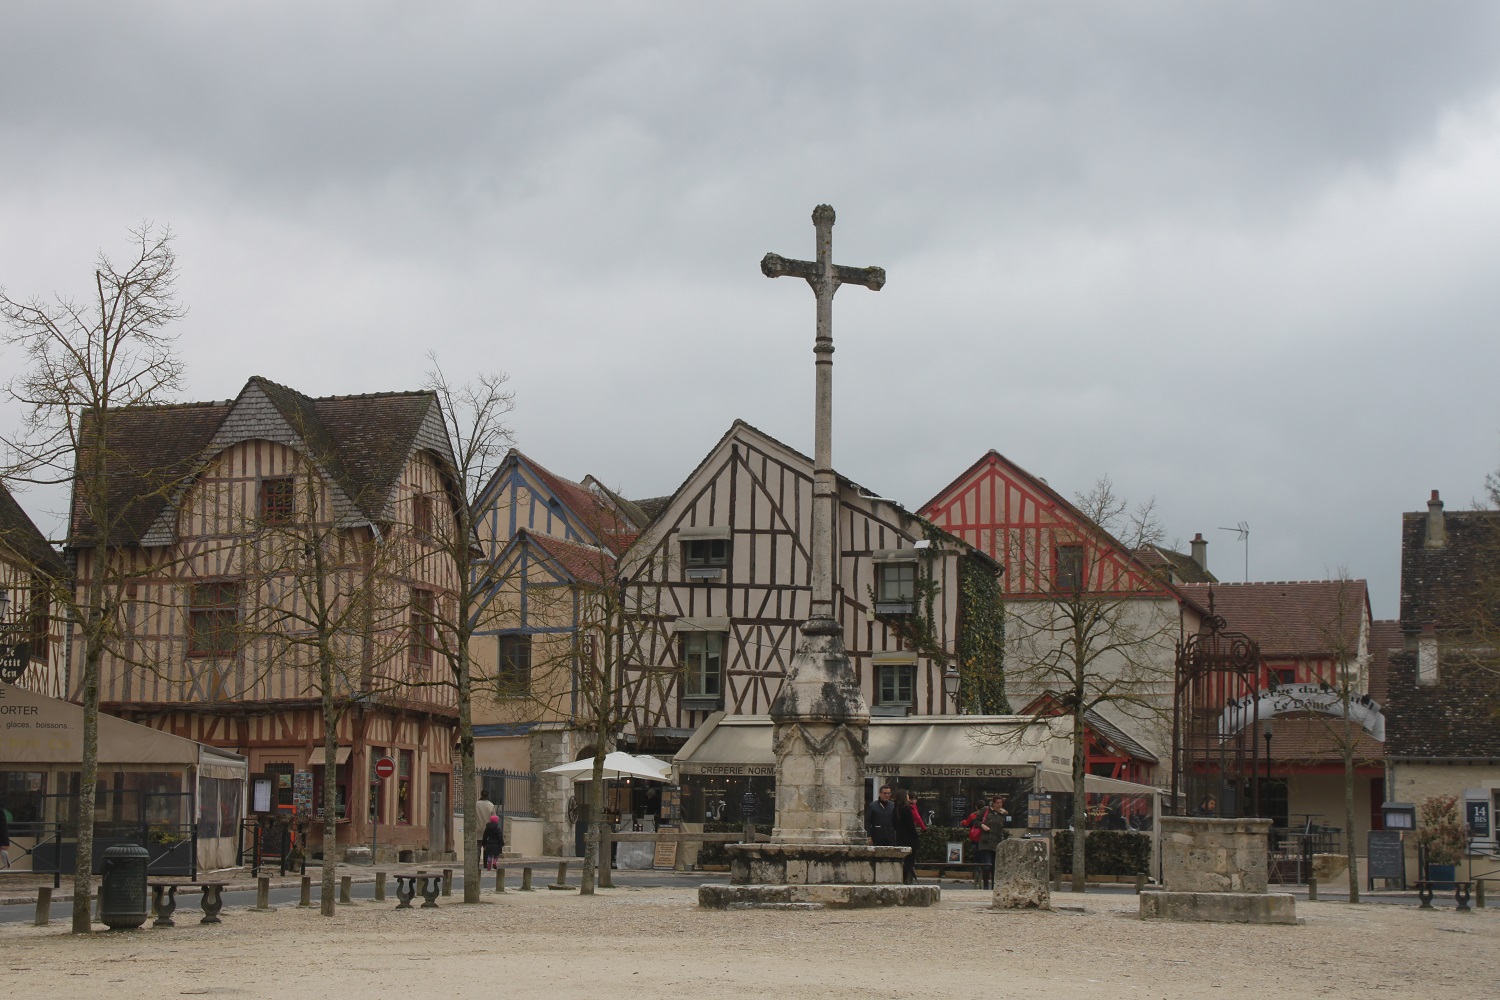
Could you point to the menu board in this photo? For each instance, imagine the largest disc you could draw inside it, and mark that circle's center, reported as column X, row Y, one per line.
column 1387, row 859
column 666, row 851
column 1039, row 811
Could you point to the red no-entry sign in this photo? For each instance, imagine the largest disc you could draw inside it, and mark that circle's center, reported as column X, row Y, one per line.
column 384, row 768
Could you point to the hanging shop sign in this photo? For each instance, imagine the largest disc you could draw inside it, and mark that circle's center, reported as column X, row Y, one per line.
column 1289, row 699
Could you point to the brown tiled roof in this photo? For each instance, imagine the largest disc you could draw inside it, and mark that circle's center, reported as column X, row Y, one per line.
column 1183, row 566
column 21, row 535
column 1385, row 638
column 585, row 563
column 151, row 449
column 1293, row 618
column 1317, row 739
column 363, row 441
column 598, row 517
column 652, row 506
column 1454, row 589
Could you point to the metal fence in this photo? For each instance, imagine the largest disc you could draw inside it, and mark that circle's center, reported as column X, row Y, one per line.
column 509, row 790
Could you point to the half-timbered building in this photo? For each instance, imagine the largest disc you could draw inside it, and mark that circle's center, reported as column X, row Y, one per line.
column 549, row 548
column 30, row 633
column 278, row 505
column 1053, row 554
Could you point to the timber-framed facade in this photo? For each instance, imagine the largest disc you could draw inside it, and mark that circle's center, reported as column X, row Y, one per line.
column 278, row 503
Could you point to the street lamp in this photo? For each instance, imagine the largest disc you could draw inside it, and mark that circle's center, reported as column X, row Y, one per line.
column 951, row 684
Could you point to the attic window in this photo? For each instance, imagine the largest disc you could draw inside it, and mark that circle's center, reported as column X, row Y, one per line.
column 278, row 500
column 421, row 514
column 895, row 588
column 705, row 557
column 1068, row 575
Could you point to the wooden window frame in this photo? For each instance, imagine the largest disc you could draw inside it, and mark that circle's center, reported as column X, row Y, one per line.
column 423, row 626
column 1059, row 583
column 708, row 559
column 422, row 509
column 213, row 610
column 894, row 672
column 511, row 674
column 406, row 760
column 904, row 599
column 694, row 665
column 277, row 501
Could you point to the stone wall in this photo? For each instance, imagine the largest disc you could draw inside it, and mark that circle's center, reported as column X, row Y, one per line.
column 550, row 792
column 1214, row 855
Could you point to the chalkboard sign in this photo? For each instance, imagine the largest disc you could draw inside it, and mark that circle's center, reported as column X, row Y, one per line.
column 1387, row 858
column 958, row 806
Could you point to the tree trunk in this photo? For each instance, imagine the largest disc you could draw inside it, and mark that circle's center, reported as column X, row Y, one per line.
column 466, row 772
column 1080, row 794
column 1350, row 847
column 330, row 782
column 83, row 869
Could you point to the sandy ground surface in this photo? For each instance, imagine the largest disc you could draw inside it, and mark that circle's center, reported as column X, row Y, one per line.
column 657, row 943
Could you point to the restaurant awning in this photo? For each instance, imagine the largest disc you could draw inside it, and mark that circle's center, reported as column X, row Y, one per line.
column 36, row 729
column 995, row 746
column 317, row 757
column 1050, row 780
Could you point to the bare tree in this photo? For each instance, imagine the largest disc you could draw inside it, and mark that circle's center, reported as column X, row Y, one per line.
column 1100, row 638
column 86, row 360
column 474, row 413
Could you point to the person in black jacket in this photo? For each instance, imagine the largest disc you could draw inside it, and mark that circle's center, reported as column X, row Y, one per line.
column 494, row 842
column 880, row 819
column 909, row 827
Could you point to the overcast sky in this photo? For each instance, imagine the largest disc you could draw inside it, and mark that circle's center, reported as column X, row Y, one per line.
column 1241, row 260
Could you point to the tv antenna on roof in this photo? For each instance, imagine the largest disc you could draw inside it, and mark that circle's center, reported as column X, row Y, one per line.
column 1242, row 533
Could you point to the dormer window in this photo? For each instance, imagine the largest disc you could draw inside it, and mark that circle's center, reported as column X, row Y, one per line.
column 1069, row 572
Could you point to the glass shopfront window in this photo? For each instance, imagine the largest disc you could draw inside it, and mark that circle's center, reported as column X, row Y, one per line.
column 21, row 792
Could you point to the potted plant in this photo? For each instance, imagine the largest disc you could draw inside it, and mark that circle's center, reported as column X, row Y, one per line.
column 1441, row 837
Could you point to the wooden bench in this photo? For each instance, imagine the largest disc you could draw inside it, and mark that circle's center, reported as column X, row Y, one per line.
column 164, row 901
column 943, row 867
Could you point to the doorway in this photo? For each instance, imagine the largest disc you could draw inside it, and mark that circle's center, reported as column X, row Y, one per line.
column 437, row 812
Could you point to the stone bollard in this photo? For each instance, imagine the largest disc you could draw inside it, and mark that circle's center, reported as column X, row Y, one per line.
column 44, row 904
column 1021, row 876
column 263, row 893
column 500, row 882
column 346, row 889
column 1312, row 888
column 380, row 887
column 1479, row 894
column 1140, row 884
column 526, row 880
column 447, row 881
column 305, row 902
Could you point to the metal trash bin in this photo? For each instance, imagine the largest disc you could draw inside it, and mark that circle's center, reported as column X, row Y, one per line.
column 123, row 903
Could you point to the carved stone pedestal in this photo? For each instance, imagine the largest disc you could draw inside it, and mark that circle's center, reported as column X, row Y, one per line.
column 1215, row 871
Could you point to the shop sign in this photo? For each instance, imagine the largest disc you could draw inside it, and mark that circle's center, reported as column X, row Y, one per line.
column 15, row 653
column 1288, row 698
column 1478, row 811
column 731, row 770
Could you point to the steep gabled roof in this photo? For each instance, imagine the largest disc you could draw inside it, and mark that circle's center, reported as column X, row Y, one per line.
column 1300, row 618
column 21, row 535
column 993, row 458
column 742, row 427
column 611, row 526
column 362, row 442
column 588, row 564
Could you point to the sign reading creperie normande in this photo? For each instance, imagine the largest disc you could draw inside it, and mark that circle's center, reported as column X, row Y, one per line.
column 874, row 770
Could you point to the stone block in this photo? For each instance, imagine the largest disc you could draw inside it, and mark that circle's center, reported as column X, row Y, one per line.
column 1205, row 854
column 1021, row 876
column 1220, row 907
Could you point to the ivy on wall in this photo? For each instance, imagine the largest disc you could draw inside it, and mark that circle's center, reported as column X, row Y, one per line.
column 981, row 640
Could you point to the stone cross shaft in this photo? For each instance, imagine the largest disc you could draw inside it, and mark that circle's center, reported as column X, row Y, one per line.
column 821, row 732
column 825, row 277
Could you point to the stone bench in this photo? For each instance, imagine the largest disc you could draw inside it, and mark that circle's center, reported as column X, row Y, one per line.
column 1462, row 890
column 424, row 884
column 164, row 901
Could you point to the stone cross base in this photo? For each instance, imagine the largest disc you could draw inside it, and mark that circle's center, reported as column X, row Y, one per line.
column 1220, row 907
column 815, row 897
column 1204, row 854
column 814, row 864
column 1021, row 876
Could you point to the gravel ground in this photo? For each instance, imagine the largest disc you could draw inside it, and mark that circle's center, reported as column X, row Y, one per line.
column 657, row 943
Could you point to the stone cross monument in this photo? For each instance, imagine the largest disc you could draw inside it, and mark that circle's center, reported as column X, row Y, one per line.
column 821, row 720
column 818, row 854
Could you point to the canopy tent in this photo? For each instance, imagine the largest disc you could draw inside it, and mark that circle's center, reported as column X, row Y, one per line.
column 617, row 764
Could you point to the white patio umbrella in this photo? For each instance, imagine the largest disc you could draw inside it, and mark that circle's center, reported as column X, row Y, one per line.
column 617, row 764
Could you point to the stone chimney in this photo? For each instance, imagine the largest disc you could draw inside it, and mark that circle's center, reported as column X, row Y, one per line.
column 1200, row 551
column 1437, row 538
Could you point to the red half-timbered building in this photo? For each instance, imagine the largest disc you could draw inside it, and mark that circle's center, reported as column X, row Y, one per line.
column 1048, row 549
column 207, row 490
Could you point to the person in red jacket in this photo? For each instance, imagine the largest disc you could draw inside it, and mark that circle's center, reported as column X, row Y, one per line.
column 909, row 828
column 986, row 830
